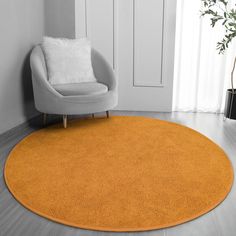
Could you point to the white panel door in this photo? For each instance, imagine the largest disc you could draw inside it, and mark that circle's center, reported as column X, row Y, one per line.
column 137, row 38
column 145, row 52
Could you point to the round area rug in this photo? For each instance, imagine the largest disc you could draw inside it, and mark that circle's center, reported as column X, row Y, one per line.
column 118, row 174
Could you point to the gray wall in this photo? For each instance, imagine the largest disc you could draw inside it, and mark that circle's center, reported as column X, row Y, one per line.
column 21, row 27
column 60, row 18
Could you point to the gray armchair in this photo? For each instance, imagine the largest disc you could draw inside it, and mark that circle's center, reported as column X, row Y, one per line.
column 73, row 99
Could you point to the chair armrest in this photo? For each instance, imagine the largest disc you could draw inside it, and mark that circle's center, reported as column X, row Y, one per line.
column 45, row 96
column 103, row 71
column 39, row 74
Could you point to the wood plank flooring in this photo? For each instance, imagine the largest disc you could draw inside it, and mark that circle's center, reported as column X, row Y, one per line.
column 15, row 220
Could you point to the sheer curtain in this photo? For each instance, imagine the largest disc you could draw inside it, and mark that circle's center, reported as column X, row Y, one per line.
column 201, row 74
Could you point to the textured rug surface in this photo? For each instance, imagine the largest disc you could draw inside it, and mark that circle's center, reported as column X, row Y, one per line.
column 118, row 174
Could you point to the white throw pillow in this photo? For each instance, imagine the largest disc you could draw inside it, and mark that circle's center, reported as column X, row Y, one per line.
column 68, row 60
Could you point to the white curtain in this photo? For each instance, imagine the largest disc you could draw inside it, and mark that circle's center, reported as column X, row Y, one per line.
column 202, row 76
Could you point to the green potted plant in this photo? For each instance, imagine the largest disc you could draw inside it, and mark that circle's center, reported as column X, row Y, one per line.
column 220, row 12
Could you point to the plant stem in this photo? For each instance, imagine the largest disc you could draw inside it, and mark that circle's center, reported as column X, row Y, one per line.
column 232, row 76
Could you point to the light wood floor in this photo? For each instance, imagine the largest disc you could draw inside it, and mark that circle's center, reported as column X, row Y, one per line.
column 15, row 220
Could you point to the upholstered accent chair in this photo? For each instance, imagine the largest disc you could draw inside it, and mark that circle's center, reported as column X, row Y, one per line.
column 73, row 99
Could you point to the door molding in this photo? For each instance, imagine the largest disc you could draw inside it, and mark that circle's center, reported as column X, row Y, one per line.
column 83, row 22
column 161, row 82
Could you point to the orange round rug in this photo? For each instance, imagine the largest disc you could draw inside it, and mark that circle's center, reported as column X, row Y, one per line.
column 119, row 174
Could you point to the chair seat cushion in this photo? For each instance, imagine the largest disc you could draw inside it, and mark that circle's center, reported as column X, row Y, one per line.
column 85, row 88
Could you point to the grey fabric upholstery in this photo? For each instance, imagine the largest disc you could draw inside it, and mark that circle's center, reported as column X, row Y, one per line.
column 49, row 100
column 90, row 88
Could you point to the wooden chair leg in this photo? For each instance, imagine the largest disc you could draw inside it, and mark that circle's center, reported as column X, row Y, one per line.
column 65, row 121
column 107, row 112
column 44, row 118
